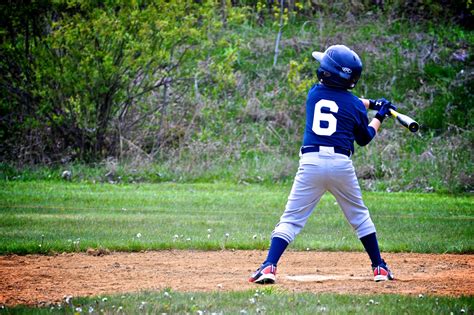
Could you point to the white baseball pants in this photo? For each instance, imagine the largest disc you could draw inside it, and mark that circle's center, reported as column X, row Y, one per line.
column 320, row 172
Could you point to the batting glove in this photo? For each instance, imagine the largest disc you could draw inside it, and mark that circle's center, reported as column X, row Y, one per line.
column 377, row 104
column 384, row 111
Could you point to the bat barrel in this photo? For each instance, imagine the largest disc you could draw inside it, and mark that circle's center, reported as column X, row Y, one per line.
column 414, row 126
column 406, row 121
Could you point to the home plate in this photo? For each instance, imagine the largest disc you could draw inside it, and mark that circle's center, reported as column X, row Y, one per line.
column 320, row 278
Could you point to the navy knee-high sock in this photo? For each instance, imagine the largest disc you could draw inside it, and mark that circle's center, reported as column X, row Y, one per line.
column 372, row 248
column 277, row 248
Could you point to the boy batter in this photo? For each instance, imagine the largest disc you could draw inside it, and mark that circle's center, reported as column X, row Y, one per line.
column 334, row 119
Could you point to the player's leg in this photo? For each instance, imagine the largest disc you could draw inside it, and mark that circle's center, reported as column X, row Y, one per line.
column 345, row 187
column 308, row 187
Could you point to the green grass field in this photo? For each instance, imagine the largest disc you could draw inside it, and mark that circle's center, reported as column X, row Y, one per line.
column 266, row 301
column 44, row 217
column 51, row 216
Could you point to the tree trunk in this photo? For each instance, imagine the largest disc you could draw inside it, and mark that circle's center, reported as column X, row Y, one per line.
column 277, row 42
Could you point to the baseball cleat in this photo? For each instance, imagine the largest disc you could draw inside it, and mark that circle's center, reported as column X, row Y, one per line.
column 382, row 272
column 266, row 274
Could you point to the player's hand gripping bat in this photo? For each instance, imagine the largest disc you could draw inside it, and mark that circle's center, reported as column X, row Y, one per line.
column 404, row 120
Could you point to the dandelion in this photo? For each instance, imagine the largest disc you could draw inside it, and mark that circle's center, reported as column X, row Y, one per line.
column 307, row 249
column 208, row 236
column 252, row 301
column 254, row 236
column 243, row 312
column 76, row 243
column 68, row 299
column 78, row 309
column 463, row 311
column 104, row 300
column 371, row 301
column 91, row 309
column 227, row 235
column 139, row 235
column 420, row 296
column 188, row 239
column 209, row 230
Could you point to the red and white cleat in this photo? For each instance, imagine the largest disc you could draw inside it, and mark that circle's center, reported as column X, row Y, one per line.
column 382, row 272
column 266, row 274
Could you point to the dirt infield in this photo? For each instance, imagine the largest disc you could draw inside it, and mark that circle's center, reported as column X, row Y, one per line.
column 37, row 280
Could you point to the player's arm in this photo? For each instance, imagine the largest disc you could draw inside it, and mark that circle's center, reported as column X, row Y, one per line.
column 364, row 131
column 375, row 123
column 366, row 102
column 376, row 105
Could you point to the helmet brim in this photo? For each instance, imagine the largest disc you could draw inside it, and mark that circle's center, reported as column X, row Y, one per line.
column 318, row 55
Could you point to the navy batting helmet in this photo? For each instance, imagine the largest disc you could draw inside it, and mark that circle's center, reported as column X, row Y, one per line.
column 340, row 67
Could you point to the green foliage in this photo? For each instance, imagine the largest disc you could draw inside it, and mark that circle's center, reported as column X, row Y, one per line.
column 189, row 89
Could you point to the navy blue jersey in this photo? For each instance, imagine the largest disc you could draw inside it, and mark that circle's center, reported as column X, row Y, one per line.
column 335, row 118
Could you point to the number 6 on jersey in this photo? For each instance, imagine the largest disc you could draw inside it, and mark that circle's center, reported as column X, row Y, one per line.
column 319, row 116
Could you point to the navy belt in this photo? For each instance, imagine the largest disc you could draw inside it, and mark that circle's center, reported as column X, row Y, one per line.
column 316, row 149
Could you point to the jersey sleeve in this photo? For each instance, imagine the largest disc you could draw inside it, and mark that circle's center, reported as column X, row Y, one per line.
column 363, row 133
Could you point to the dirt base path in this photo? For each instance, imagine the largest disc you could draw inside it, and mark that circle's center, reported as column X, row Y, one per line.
column 37, row 280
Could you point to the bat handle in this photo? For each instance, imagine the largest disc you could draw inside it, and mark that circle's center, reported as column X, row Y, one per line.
column 394, row 113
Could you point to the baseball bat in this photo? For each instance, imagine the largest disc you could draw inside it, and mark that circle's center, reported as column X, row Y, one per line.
column 405, row 121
